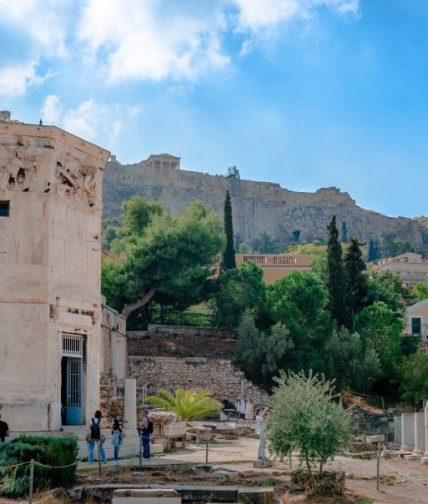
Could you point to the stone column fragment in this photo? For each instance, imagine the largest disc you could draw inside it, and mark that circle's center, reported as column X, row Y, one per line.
column 130, row 404
column 407, row 433
column 425, row 457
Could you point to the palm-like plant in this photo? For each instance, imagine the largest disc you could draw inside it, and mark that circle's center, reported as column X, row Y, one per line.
column 187, row 404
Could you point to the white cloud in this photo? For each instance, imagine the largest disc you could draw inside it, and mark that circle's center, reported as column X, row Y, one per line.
column 257, row 15
column 45, row 22
column 15, row 79
column 144, row 42
column 51, row 110
column 92, row 121
column 149, row 39
column 157, row 40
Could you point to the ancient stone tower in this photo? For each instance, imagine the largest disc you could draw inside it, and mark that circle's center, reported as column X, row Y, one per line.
column 50, row 252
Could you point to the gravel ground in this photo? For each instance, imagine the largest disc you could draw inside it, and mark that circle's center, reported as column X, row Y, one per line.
column 402, row 481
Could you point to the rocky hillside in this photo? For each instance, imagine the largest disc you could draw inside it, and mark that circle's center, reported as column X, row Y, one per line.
column 260, row 206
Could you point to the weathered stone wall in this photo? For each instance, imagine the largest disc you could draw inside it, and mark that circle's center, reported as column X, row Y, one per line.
column 372, row 424
column 220, row 376
column 265, row 206
column 175, row 341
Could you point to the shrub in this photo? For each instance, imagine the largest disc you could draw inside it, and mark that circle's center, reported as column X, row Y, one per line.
column 306, row 417
column 48, row 453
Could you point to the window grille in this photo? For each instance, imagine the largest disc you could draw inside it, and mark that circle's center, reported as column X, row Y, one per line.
column 72, row 345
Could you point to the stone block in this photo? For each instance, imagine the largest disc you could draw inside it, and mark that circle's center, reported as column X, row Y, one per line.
column 256, row 496
column 146, row 496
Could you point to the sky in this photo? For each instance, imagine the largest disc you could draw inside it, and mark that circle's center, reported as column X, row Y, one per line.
column 303, row 93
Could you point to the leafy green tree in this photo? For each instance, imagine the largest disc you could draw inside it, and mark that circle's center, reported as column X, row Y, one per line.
column 187, row 404
column 263, row 352
column 228, row 260
column 381, row 330
column 413, row 378
column 236, row 290
column 350, row 362
column 165, row 258
column 336, row 278
column 306, row 418
column 244, row 248
column 137, row 214
column 109, row 230
column 317, row 252
column 410, row 344
column 419, row 291
column 385, row 287
column 396, row 246
column 299, row 302
column 267, row 244
column 356, row 278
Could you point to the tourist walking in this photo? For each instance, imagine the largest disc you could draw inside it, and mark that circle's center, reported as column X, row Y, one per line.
column 145, row 428
column 116, row 439
column 249, row 413
column 261, row 427
column 95, row 436
column 4, row 430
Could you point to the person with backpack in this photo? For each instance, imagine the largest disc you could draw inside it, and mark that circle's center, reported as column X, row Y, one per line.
column 95, row 436
column 146, row 428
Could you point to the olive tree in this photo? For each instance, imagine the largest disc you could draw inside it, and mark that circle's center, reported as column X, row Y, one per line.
column 306, row 417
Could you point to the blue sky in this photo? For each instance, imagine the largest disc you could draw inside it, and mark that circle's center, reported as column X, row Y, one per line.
column 304, row 93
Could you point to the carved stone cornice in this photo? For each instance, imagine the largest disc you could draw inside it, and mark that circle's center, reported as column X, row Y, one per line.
column 49, row 160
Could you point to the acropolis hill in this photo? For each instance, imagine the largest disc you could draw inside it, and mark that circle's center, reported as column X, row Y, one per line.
column 257, row 206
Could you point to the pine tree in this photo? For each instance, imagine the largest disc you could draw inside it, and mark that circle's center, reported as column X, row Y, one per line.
column 357, row 284
column 336, row 276
column 228, row 260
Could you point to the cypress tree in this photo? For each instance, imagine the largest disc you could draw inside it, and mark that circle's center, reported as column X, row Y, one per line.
column 336, row 276
column 228, row 260
column 344, row 232
column 357, row 284
column 374, row 252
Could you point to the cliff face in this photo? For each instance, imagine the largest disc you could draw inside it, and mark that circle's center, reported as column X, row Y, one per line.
column 260, row 206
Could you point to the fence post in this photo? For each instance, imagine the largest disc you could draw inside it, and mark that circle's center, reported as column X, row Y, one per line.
column 206, row 453
column 30, row 491
column 377, row 471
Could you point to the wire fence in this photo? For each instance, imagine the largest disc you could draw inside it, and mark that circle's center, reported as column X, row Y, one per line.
column 34, row 463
